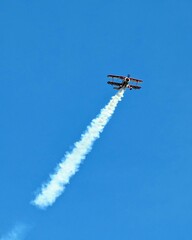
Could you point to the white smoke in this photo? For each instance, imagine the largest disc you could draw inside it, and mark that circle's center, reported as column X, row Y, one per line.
column 17, row 233
column 70, row 163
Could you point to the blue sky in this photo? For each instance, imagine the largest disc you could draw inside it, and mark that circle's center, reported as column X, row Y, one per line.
column 136, row 182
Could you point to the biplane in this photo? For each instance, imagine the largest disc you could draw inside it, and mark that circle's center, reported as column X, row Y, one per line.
column 125, row 82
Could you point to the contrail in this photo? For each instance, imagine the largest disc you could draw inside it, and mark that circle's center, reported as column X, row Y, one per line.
column 69, row 165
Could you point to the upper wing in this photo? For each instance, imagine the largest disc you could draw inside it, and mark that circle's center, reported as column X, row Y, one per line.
column 135, row 87
column 116, row 76
column 135, row 80
column 114, row 83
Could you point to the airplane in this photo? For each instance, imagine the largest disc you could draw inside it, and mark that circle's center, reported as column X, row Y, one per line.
column 125, row 82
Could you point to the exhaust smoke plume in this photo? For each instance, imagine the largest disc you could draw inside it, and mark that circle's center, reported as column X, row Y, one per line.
column 69, row 165
column 17, row 233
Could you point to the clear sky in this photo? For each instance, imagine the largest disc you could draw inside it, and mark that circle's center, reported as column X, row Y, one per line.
column 54, row 57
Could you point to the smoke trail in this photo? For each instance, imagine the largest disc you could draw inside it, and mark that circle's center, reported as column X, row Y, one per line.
column 17, row 233
column 70, row 163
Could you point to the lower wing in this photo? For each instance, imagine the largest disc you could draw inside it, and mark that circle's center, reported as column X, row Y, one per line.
column 135, row 87
column 114, row 83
